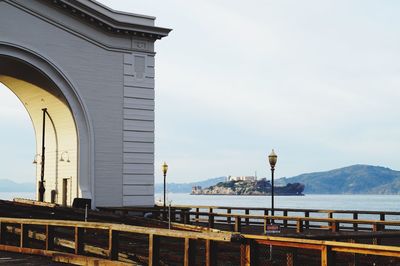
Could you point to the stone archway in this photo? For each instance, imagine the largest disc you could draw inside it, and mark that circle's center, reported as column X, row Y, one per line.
column 39, row 84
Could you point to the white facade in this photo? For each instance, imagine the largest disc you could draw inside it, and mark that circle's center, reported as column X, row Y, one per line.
column 93, row 69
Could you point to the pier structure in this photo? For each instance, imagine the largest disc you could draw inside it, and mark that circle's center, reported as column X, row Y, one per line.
column 85, row 74
column 121, row 236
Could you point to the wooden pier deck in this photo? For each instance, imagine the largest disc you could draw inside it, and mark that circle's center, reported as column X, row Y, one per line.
column 150, row 242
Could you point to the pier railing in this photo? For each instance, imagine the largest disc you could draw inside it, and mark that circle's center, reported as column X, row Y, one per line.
column 26, row 233
column 29, row 231
column 236, row 218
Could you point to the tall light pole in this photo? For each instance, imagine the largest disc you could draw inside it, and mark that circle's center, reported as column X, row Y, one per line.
column 165, row 169
column 272, row 158
column 42, row 189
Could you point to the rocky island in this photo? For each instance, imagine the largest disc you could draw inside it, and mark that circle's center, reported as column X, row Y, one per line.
column 249, row 187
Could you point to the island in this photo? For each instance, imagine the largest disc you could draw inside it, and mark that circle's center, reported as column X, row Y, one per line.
column 249, row 186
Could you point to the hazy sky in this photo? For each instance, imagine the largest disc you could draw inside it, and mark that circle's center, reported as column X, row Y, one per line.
column 316, row 80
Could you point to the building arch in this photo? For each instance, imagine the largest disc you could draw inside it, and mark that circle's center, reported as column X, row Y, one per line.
column 20, row 65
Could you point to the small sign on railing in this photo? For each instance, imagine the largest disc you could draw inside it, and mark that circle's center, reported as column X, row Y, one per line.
column 272, row 229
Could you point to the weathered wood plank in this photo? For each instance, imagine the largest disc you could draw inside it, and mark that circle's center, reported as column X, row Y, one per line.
column 211, row 253
column 79, row 240
column 154, row 250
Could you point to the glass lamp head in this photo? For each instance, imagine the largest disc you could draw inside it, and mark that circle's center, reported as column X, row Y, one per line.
column 164, row 168
column 272, row 159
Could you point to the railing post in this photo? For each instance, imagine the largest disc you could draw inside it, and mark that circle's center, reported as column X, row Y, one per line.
column 307, row 223
column 182, row 216
column 79, row 235
column 327, row 256
column 291, row 257
column 238, row 224
column 376, row 240
column 248, row 253
column 197, row 215
column 24, row 237
column 299, row 226
column 285, row 223
column 2, row 233
column 187, row 217
column 49, row 237
column 335, row 227
column 211, row 253
column 355, row 256
column 355, row 225
column 229, row 219
column 211, row 220
column 113, row 244
column 247, row 212
column 189, row 258
column 154, row 250
column 382, row 218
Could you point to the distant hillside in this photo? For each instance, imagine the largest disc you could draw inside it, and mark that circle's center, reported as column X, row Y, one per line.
column 7, row 185
column 355, row 179
column 187, row 187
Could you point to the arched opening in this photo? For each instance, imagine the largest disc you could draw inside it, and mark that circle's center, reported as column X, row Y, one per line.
column 51, row 115
column 23, row 68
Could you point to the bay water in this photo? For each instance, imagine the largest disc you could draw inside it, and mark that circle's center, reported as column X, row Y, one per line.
column 331, row 202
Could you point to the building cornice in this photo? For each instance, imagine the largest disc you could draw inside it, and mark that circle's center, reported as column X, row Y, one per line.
column 110, row 20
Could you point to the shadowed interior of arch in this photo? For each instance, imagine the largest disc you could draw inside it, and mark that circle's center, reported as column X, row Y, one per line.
column 61, row 140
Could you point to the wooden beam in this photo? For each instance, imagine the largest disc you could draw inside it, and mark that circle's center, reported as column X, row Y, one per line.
column 24, row 237
column 3, row 231
column 355, row 225
column 238, row 224
column 189, row 258
column 113, row 244
column 79, row 240
column 228, row 218
column 49, row 237
column 247, row 212
column 307, row 222
column 291, row 257
column 248, row 253
column 154, row 250
column 211, row 253
column 327, row 256
column 299, row 226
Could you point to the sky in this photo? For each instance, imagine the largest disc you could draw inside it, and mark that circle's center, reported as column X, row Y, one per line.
column 318, row 81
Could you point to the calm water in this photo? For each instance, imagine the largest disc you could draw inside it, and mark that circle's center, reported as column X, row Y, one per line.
column 338, row 202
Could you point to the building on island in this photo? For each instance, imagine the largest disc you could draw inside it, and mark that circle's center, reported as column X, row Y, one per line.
column 241, row 178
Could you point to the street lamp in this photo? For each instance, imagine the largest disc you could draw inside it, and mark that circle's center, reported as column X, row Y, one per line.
column 42, row 189
column 272, row 158
column 164, row 169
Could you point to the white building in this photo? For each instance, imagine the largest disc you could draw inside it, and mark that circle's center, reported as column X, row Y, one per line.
column 241, row 178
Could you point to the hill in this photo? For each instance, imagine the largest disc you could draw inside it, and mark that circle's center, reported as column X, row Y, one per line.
column 187, row 187
column 7, row 185
column 355, row 179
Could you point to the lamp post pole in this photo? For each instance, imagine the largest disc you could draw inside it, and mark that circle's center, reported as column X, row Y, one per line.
column 165, row 169
column 272, row 158
column 42, row 189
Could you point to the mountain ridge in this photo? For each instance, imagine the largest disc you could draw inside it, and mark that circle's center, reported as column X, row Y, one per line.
column 353, row 179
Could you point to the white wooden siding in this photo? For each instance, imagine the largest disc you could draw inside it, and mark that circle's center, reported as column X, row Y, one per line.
column 138, row 127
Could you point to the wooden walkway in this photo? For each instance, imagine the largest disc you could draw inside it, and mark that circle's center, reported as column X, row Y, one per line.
column 95, row 243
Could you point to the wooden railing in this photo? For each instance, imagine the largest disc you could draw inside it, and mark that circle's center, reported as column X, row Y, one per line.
column 354, row 214
column 22, row 227
column 236, row 218
column 328, row 250
column 25, row 229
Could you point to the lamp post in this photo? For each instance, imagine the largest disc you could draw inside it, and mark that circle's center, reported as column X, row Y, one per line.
column 272, row 158
column 42, row 189
column 165, row 169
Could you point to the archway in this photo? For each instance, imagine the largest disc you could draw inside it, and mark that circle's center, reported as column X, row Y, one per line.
column 41, row 87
